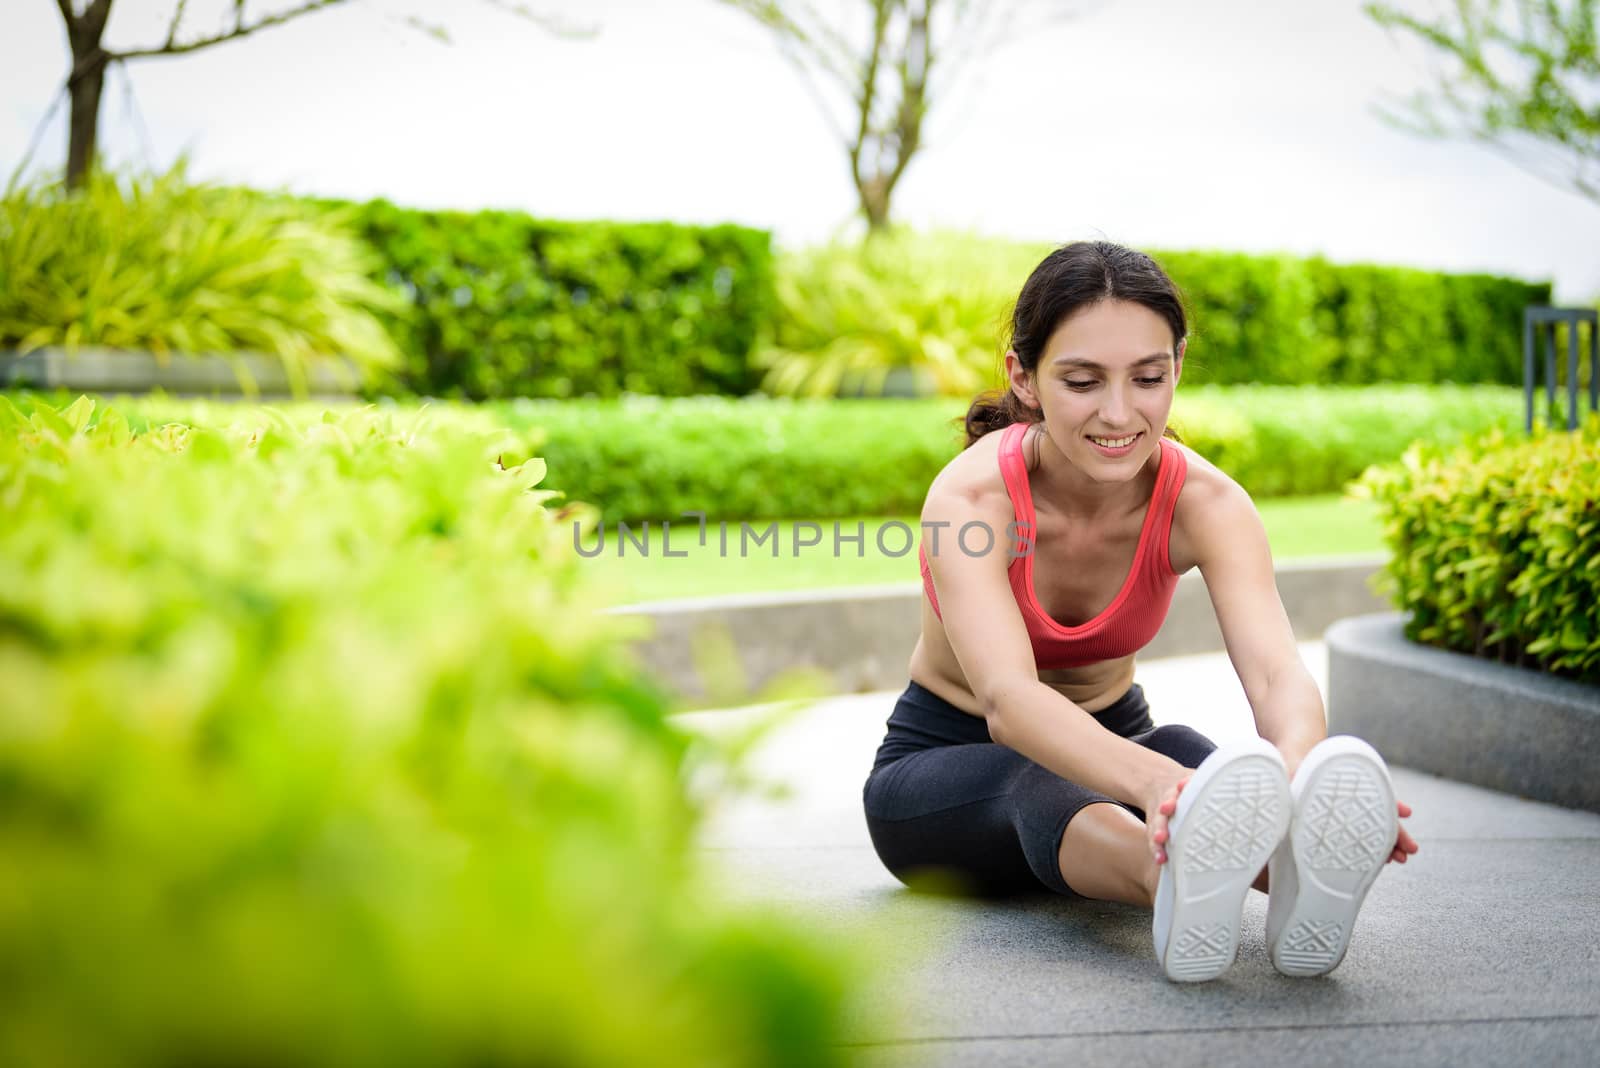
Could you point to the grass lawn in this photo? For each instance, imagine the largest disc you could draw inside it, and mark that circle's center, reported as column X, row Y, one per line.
column 1297, row 527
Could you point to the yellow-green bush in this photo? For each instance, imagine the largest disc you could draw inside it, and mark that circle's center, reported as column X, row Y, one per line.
column 312, row 752
column 159, row 264
column 848, row 314
column 1496, row 546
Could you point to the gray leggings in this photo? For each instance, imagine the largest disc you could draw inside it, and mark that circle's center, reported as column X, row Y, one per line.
column 943, row 799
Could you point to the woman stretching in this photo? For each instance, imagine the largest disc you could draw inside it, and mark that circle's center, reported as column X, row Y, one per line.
column 1022, row 755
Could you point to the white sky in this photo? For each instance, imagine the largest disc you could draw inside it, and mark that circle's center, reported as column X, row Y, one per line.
column 1227, row 124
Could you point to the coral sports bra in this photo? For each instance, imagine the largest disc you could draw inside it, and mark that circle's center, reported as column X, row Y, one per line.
column 1140, row 607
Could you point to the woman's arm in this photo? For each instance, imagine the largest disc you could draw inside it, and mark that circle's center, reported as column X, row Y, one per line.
column 990, row 641
column 1235, row 560
column 1230, row 545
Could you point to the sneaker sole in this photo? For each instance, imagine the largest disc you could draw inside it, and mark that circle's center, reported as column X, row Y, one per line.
column 1235, row 820
column 1345, row 828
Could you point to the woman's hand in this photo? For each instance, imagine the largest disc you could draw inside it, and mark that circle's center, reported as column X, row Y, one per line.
column 1167, row 804
column 1404, row 845
column 1164, row 803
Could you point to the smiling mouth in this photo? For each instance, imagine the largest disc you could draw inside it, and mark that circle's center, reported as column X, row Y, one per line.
column 1114, row 443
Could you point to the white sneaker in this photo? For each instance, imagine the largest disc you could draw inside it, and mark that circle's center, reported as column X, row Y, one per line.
column 1230, row 817
column 1345, row 826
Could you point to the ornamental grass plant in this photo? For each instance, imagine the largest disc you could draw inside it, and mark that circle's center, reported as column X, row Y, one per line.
column 161, row 264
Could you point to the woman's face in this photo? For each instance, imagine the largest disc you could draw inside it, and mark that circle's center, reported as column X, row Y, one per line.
column 1106, row 375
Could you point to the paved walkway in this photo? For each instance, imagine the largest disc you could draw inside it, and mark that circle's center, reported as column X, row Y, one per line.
column 1483, row 949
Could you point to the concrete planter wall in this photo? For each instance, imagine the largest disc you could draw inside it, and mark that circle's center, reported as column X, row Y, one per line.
column 862, row 637
column 114, row 371
column 1506, row 728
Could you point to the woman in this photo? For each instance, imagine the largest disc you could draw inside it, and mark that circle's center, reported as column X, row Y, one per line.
column 1022, row 755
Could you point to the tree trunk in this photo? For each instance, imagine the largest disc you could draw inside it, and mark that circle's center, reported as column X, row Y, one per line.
column 88, row 78
column 85, row 123
column 874, row 193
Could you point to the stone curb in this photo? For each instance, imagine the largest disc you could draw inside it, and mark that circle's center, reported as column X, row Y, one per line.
column 860, row 639
column 1510, row 729
column 99, row 370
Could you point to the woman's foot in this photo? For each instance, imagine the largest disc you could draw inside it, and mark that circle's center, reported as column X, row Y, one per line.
column 1344, row 827
column 1230, row 817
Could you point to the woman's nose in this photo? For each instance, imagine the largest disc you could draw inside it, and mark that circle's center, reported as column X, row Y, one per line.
column 1114, row 411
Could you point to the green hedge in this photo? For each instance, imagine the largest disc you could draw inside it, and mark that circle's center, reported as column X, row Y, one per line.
column 1292, row 320
column 650, row 458
column 938, row 304
column 506, row 305
column 1496, row 546
column 312, row 752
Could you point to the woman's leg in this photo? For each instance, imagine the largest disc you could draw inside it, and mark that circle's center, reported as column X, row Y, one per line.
column 1000, row 823
column 981, row 815
column 1188, row 747
column 1105, row 855
column 1105, row 852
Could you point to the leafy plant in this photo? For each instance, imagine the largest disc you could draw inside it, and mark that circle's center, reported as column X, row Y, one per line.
column 1496, row 546
column 313, row 752
column 848, row 314
column 160, row 264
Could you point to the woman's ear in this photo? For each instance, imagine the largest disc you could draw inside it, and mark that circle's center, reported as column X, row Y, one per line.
column 1021, row 380
column 1177, row 363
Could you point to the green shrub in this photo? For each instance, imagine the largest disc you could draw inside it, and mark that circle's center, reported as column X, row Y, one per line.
column 940, row 303
column 1496, row 546
column 649, row 458
column 170, row 267
column 312, row 752
column 505, row 305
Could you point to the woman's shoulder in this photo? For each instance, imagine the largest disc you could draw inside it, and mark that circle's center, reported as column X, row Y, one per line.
column 1205, row 487
column 971, row 480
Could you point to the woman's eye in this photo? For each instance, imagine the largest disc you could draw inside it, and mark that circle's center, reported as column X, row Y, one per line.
column 1142, row 381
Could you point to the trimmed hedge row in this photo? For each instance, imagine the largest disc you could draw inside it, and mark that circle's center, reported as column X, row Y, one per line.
column 505, row 305
column 1290, row 320
column 312, row 752
column 649, row 458
column 1496, row 546
column 938, row 305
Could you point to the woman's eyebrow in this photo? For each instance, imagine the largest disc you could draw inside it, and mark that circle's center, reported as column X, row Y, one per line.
column 1078, row 361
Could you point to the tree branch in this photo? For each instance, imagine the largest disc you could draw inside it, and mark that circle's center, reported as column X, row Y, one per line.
column 177, row 17
column 239, row 30
column 869, row 86
column 1539, row 102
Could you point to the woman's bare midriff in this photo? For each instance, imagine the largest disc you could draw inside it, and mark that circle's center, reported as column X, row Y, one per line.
column 934, row 667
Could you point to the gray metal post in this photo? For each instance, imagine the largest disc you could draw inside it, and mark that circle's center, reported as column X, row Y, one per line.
column 1527, row 369
column 1572, row 375
column 1594, row 368
column 1549, row 369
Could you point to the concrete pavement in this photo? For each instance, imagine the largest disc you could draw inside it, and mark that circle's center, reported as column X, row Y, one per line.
column 1483, row 949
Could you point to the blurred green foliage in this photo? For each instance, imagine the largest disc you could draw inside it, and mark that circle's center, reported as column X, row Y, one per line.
column 313, row 752
column 756, row 457
column 163, row 265
column 939, row 305
column 1496, row 546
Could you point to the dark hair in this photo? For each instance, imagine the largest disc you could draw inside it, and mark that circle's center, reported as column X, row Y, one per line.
column 1071, row 278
